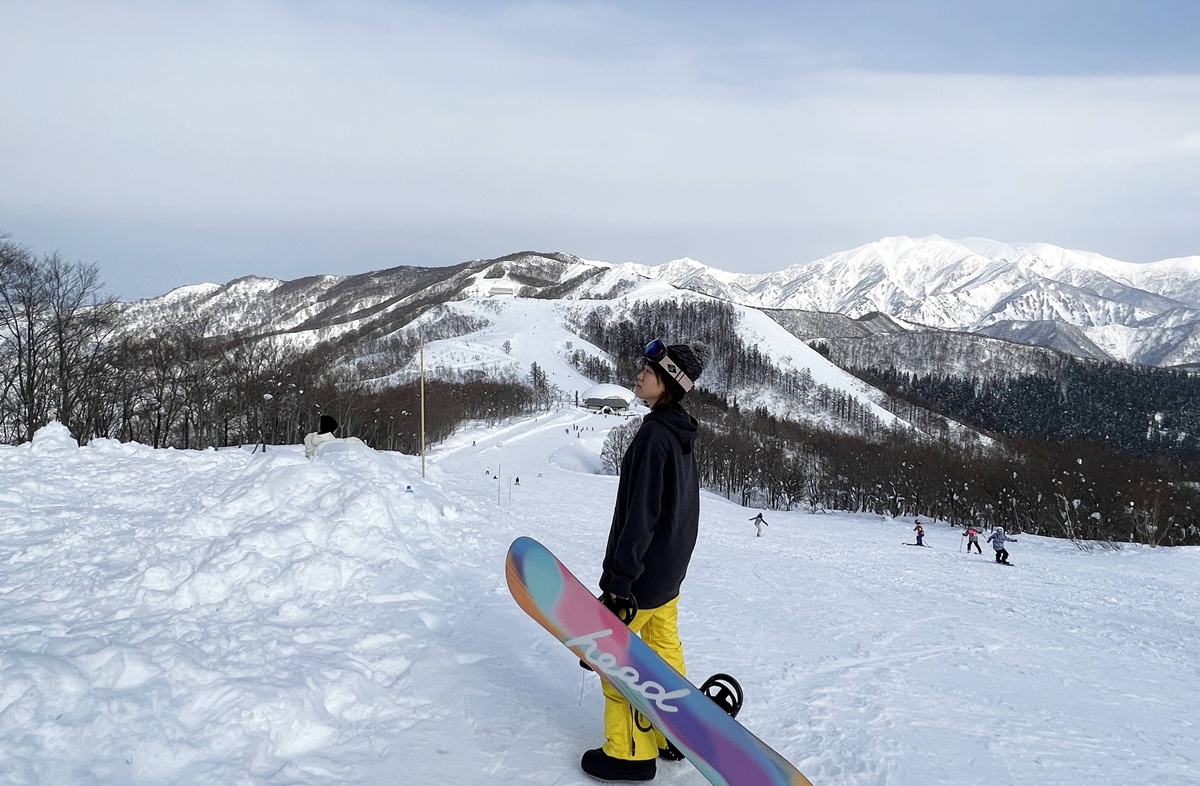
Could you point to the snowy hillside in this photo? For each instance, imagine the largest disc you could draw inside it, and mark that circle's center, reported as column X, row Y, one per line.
column 520, row 332
column 247, row 618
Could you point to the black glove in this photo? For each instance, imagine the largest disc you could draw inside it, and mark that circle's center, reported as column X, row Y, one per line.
column 625, row 608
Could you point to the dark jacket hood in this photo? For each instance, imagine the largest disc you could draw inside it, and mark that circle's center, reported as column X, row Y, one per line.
column 682, row 426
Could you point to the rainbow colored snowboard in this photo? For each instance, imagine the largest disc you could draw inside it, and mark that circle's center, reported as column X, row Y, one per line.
column 720, row 747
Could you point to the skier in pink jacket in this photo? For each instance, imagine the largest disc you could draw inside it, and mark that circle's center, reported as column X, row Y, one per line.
column 972, row 536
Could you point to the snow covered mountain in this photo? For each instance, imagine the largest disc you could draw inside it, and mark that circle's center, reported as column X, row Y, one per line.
column 500, row 318
column 979, row 294
column 1141, row 313
column 324, row 307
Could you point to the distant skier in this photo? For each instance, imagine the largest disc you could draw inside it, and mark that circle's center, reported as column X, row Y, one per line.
column 972, row 536
column 323, row 434
column 998, row 539
column 759, row 523
column 920, row 533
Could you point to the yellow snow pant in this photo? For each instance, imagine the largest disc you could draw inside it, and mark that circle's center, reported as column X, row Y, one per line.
column 629, row 735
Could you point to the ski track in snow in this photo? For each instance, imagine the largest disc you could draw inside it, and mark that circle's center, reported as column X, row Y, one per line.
column 247, row 618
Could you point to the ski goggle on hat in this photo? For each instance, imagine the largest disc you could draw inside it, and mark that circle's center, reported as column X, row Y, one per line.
column 656, row 352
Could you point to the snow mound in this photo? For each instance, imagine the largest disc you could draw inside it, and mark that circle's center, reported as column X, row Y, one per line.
column 229, row 614
column 53, row 438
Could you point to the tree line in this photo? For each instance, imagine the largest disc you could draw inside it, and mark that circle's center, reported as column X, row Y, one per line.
column 1140, row 410
column 54, row 330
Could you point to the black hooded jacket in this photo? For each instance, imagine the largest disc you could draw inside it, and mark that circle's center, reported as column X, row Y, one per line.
column 657, row 513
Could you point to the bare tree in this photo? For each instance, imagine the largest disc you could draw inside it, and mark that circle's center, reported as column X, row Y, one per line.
column 1148, row 512
column 25, row 331
column 80, row 324
column 54, row 328
column 617, row 443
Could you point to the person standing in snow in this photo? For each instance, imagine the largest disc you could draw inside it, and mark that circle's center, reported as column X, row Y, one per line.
column 998, row 539
column 759, row 523
column 654, row 527
column 972, row 536
column 920, row 533
column 323, row 434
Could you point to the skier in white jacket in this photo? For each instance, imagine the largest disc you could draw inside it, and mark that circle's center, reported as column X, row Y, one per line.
column 998, row 539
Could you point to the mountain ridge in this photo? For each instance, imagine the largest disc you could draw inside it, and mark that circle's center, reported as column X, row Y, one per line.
column 1103, row 308
column 973, row 284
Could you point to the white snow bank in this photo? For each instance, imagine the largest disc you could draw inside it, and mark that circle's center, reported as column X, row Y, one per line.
column 210, row 617
column 237, row 618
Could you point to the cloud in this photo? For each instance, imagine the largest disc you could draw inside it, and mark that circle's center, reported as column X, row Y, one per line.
column 552, row 122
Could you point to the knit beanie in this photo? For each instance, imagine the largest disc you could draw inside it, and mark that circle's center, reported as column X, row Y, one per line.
column 692, row 359
column 328, row 425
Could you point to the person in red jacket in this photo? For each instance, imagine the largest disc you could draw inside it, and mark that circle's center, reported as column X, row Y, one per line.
column 654, row 527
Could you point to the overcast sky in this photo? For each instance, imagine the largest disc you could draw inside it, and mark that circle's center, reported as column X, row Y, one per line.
column 181, row 142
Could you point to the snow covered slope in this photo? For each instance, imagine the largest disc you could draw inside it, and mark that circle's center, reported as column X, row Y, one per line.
column 495, row 317
column 247, row 618
column 520, row 332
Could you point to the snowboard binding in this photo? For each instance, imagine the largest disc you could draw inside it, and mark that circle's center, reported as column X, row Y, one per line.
column 726, row 693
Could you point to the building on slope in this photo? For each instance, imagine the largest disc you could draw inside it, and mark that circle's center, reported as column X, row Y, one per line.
column 607, row 398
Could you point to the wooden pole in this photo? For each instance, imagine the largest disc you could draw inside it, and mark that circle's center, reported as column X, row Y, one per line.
column 422, row 407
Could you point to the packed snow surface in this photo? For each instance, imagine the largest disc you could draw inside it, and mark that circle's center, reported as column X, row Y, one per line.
column 239, row 617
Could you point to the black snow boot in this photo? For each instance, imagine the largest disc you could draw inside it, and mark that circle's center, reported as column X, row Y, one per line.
column 603, row 767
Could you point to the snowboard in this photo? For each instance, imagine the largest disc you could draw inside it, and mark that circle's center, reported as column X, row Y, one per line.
column 720, row 747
